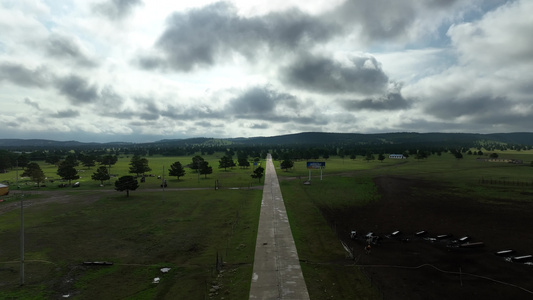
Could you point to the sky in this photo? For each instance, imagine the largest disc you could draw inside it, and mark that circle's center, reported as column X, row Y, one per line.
column 142, row 71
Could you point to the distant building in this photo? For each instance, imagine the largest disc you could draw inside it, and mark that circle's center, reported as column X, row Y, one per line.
column 397, row 156
column 4, row 189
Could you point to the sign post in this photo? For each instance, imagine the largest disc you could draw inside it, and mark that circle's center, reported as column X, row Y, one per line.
column 315, row 165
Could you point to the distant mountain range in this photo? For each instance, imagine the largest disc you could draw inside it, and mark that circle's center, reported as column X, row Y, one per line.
column 305, row 138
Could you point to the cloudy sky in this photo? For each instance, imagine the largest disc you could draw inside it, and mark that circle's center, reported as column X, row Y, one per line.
column 136, row 71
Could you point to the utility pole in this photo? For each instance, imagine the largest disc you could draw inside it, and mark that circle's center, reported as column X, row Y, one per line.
column 22, row 240
column 198, row 169
column 163, row 178
column 21, row 229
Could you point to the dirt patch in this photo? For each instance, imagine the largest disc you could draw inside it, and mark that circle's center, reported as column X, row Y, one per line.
column 408, row 266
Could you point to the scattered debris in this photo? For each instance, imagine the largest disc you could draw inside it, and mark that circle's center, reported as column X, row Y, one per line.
column 464, row 239
column 443, row 236
column 472, row 245
column 156, row 280
column 504, row 252
column 165, row 270
column 523, row 258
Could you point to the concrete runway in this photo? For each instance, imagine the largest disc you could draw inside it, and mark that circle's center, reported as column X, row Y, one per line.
column 277, row 273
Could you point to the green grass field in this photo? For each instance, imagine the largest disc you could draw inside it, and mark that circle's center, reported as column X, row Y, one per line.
column 349, row 183
column 186, row 229
column 140, row 234
column 234, row 177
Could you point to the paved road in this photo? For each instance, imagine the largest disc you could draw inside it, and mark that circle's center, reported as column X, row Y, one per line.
column 277, row 273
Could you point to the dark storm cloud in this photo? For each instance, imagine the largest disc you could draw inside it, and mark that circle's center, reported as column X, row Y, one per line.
column 140, row 124
column 77, row 89
column 390, row 101
column 31, row 103
column 192, row 113
column 119, row 114
column 205, row 124
column 259, row 126
column 387, row 20
column 486, row 110
column 203, row 36
column 258, row 101
column 254, row 101
column 321, row 74
column 23, row 76
column 65, row 48
column 209, row 35
column 116, row 9
column 69, row 113
column 150, row 62
column 467, row 106
column 109, row 98
column 512, row 121
column 148, row 116
column 11, row 124
column 150, row 111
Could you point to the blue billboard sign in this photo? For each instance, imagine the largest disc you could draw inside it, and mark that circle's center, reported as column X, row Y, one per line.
column 316, row 164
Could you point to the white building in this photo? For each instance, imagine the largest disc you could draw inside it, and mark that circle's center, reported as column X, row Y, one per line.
column 397, row 156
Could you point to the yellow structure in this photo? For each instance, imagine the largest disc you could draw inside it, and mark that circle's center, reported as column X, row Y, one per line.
column 4, row 189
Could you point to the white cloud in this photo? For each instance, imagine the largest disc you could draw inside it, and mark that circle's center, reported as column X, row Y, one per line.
column 490, row 82
column 153, row 69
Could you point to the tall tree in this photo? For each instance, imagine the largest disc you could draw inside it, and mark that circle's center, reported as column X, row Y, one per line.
column 342, row 154
column 258, row 173
column 421, row 154
column 244, row 163
column 72, row 160
column 196, row 163
column 6, row 160
column 176, row 169
column 126, row 183
column 139, row 165
column 23, row 160
column 67, row 171
column 381, row 157
column 205, row 169
column 34, row 171
column 53, row 159
column 369, row 156
column 88, row 161
column 287, row 164
column 108, row 160
column 101, row 174
column 226, row 162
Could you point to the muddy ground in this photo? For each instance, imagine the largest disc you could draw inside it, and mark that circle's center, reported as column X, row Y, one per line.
column 408, row 266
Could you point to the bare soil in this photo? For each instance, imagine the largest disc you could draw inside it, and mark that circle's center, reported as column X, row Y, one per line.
column 408, row 266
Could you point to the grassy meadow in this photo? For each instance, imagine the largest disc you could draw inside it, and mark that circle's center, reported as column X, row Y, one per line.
column 235, row 177
column 186, row 230
column 349, row 183
column 183, row 230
